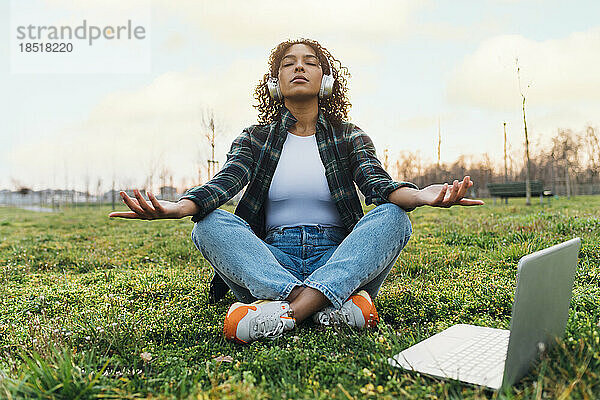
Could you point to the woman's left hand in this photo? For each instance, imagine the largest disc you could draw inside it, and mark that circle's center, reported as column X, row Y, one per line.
column 447, row 195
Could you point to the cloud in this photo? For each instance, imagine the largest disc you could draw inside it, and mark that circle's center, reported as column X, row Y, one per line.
column 259, row 22
column 553, row 72
column 268, row 22
column 134, row 132
column 129, row 131
column 174, row 42
column 99, row 5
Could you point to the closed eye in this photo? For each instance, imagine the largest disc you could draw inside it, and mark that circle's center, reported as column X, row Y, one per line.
column 309, row 63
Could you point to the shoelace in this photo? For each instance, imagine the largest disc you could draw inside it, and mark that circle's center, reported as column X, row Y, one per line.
column 335, row 316
column 323, row 318
column 268, row 327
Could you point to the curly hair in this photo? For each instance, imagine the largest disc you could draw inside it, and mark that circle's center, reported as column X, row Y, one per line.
column 335, row 108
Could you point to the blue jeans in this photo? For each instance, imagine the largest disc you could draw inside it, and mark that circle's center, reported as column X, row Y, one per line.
column 320, row 257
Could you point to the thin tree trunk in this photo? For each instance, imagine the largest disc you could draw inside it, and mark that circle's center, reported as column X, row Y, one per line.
column 568, row 181
column 527, row 165
column 505, row 164
column 113, row 194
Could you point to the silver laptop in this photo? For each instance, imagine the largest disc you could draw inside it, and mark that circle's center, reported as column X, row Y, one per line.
column 496, row 357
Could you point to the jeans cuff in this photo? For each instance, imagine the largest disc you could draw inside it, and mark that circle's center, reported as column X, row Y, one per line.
column 335, row 300
column 288, row 289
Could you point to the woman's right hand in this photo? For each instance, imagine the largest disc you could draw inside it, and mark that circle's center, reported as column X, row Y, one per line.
column 141, row 209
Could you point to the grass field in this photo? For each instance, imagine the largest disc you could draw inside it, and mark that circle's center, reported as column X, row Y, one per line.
column 95, row 307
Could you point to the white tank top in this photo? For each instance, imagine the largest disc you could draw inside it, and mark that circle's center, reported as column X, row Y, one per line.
column 299, row 194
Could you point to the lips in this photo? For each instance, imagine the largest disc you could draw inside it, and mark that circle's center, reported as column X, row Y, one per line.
column 299, row 78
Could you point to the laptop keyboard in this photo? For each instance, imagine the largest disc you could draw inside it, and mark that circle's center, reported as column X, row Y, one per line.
column 479, row 354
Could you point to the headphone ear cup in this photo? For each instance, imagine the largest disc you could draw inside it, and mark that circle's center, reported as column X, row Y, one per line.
column 326, row 86
column 274, row 89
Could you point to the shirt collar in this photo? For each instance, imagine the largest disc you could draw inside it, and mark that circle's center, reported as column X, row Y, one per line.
column 288, row 120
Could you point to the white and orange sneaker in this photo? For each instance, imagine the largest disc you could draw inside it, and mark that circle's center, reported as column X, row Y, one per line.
column 245, row 323
column 358, row 311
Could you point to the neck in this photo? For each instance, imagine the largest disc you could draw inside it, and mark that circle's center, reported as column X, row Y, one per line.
column 306, row 113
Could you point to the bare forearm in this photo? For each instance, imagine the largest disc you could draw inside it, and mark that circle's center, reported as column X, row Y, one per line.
column 187, row 208
column 405, row 197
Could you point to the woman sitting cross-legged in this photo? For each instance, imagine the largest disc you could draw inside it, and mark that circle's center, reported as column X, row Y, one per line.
column 298, row 244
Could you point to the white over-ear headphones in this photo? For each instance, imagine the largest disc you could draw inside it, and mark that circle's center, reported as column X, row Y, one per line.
column 324, row 92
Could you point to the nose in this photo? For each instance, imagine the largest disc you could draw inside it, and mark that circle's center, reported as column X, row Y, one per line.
column 299, row 67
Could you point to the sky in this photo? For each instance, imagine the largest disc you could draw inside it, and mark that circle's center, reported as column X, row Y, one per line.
column 123, row 110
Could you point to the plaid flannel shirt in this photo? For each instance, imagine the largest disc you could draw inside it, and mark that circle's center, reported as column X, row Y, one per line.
column 347, row 153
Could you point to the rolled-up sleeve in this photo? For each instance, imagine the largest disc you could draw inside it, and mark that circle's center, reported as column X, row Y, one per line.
column 370, row 177
column 230, row 180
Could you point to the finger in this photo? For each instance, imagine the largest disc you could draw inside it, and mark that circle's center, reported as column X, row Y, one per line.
column 142, row 201
column 440, row 197
column 131, row 204
column 155, row 203
column 128, row 214
column 456, row 185
column 463, row 189
column 453, row 195
column 470, row 202
column 134, row 201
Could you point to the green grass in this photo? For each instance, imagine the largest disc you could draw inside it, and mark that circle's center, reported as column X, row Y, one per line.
column 82, row 297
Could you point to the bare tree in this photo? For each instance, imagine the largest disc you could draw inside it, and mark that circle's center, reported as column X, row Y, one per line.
column 211, row 132
column 439, row 149
column 98, row 189
column 86, row 179
column 592, row 143
column 571, row 159
column 154, row 165
column 386, row 159
column 407, row 166
column 527, row 162
column 184, row 185
column 565, row 148
column 439, row 144
column 505, row 164
column 113, row 194
column 166, row 182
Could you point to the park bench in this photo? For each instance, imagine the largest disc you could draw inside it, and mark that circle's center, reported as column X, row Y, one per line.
column 517, row 189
